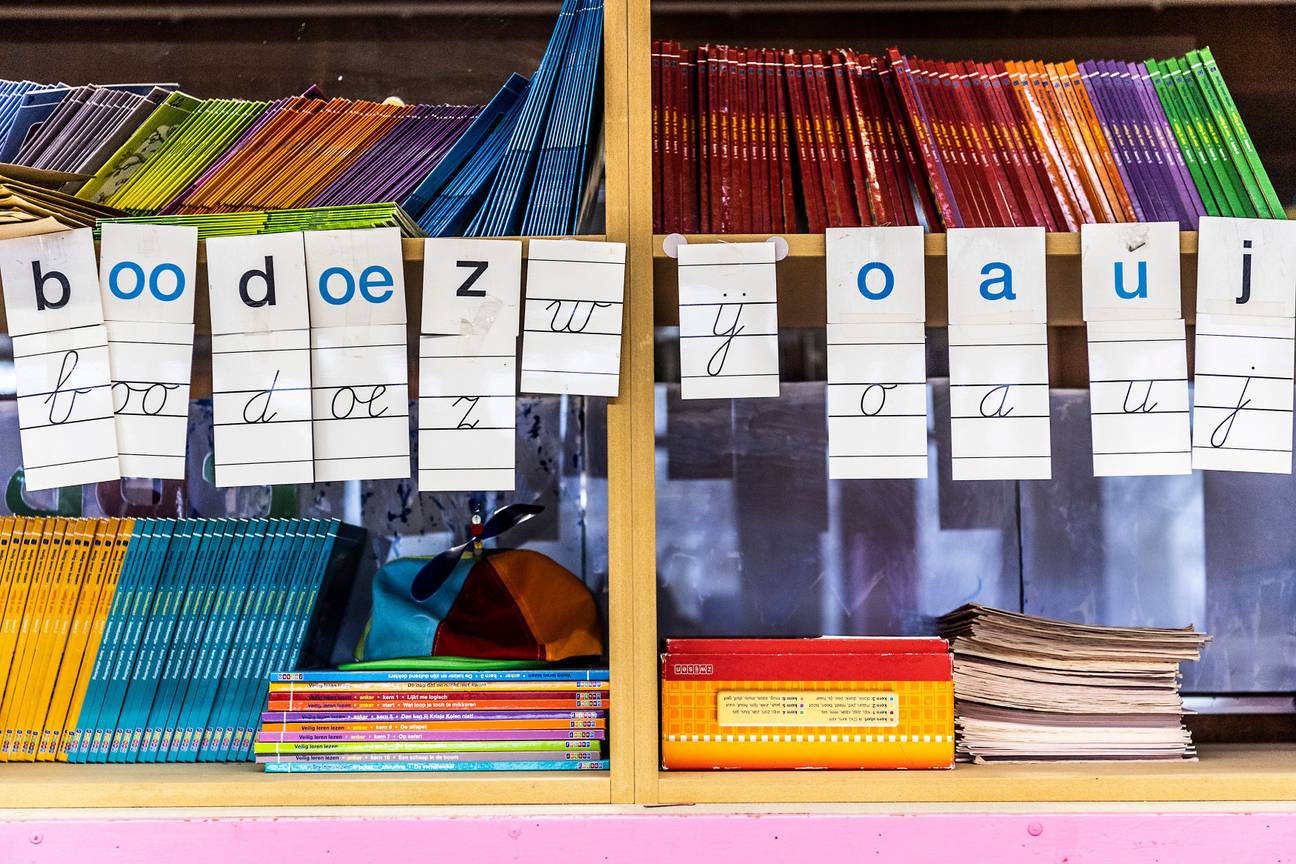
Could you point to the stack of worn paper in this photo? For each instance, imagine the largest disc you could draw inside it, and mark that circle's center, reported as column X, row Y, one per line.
column 1035, row 689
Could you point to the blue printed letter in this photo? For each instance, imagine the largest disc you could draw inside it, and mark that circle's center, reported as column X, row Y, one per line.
column 888, row 280
column 1140, row 291
column 1004, row 280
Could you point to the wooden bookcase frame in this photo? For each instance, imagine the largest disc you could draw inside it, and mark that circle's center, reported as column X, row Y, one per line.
column 1225, row 773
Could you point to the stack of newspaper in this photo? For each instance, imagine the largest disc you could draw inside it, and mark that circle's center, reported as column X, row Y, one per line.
column 1035, row 689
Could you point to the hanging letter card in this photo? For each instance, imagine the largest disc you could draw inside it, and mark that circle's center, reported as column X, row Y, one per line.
column 358, row 364
column 572, row 319
column 728, row 316
column 146, row 280
column 1246, row 330
column 877, row 362
column 261, row 376
column 60, row 350
column 998, row 354
column 468, row 364
column 1138, row 361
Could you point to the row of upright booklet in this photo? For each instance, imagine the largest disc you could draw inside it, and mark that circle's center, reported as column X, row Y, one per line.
column 150, row 640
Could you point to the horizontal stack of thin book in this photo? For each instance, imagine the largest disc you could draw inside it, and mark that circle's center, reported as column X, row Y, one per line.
column 149, row 640
column 752, row 140
column 1031, row 689
column 526, row 164
column 435, row 720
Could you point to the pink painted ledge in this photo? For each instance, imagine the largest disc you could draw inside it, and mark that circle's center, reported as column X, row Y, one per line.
column 666, row 837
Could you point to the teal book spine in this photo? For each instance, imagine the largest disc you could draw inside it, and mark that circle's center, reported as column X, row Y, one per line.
column 88, row 719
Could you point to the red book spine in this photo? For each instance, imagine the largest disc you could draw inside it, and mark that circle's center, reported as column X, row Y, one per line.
column 994, row 157
column 670, row 183
column 783, row 132
column 847, row 214
column 871, row 178
column 1008, row 88
column 807, row 160
column 810, row 645
column 853, row 136
column 719, row 140
column 742, row 143
column 706, row 160
column 894, row 155
column 760, row 140
column 658, row 179
column 916, row 131
column 689, row 140
column 807, row 667
column 976, row 171
column 952, row 157
column 1020, row 172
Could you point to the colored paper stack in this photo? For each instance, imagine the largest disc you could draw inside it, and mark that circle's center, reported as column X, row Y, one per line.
column 754, row 140
column 435, row 720
column 148, row 640
column 386, row 215
column 1034, row 689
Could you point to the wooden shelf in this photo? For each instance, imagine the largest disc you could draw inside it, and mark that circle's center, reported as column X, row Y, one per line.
column 1225, row 773
column 45, row 786
column 801, row 279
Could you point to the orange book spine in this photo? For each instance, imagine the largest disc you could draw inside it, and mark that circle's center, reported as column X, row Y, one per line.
column 54, row 634
column 100, row 538
column 1037, row 129
column 48, row 543
column 1065, row 147
column 1078, row 133
column 1118, row 194
column 115, row 554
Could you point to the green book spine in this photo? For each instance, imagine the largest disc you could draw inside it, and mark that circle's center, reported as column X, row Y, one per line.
column 1185, row 135
column 1217, row 159
column 1197, row 73
column 1272, row 202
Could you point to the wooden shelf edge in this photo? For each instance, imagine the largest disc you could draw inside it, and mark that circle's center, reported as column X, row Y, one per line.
column 1063, row 244
column 58, row 786
column 1224, row 773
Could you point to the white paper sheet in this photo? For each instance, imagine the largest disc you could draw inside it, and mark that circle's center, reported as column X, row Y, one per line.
column 572, row 317
column 261, row 360
column 877, row 401
column 1138, row 398
column 1242, row 394
column 359, row 366
column 60, row 350
column 728, row 314
column 999, row 402
column 1138, row 365
column 468, row 381
column 147, row 282
column 998, row 354
column 467, row 416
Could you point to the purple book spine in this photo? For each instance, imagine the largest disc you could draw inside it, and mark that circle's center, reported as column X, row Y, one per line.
column 1156, row 206
column 440, row 756
column 1178, row 209
column 424, row 716
column 1187, row 189
column 1099, row 98
column 456, row 735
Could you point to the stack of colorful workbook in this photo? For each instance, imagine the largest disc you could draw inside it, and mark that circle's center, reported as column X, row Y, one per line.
column 436, row 720
column 149, row 640
column 386, row 215
column 1031, row 689
column 754, row 140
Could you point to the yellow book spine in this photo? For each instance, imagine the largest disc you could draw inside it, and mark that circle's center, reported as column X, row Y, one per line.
column 8, row 578
column 75, row 574
column 114, row 555
column 38, row 639
column 39, row 545
column 100, row 535
column 15, row 602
